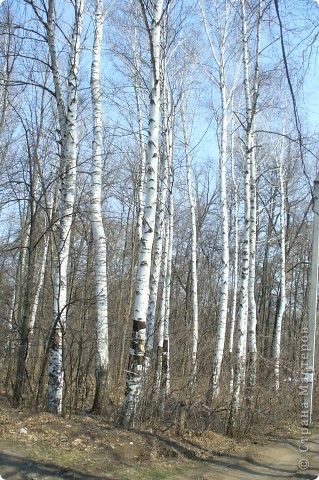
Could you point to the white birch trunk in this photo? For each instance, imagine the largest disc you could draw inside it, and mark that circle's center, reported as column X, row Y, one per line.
column 163, row 208
column 241, row 336
column 159, row 230
column 194, row 295
column 68, row 127
column 141, row 179
column 136, row 62
column 282, row 294
column 99, row 240
column 252, row 315
column 222, row 33
column 232, row 321
column 161, row 382
column 165, row 377
column 247, row 308
column 214, row 388
column 240, row 362
column 162, row 313
column 138, row 344
column 157, row 262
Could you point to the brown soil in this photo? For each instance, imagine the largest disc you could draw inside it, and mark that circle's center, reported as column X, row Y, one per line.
column 45, row 447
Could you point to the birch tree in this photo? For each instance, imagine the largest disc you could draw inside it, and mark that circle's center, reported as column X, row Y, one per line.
column 232, row 319
column 160, row 253
column 251, row 108
column 138, row 343
column 157, row 259
column 282, row 288
column 166, row 299
column 102, row 340
column 130, row 52
column 142, row 151
column 162, row 367
column 194, row 296
column 67, row 113
column 247, row 308
column 223, row 15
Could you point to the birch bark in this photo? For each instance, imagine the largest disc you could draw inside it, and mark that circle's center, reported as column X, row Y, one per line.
column 135, row 369
column 214, row 387
column 157, row 263
column 239, row 370
column 161, row 321
column 219, row 59
column 160, row 254
column 162, row 367
column 68, row 127
column 251, row 113
column 232, row 321
column 165, row 376
column 282, row 293
column 99, row 240
column 141, row 179
column 194, row 295
column 247, row 308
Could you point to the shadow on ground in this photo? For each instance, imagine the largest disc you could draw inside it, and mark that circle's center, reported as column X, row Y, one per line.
column 242, row 466
column 26, row 469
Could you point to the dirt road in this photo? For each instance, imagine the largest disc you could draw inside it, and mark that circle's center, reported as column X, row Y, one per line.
column 276, row 460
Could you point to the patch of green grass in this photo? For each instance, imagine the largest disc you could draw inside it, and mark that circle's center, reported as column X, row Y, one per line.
column 154, row 471
column 42, row 453
column 66, row 458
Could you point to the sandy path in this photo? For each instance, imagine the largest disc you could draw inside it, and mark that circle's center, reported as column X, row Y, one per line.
column 276, row 460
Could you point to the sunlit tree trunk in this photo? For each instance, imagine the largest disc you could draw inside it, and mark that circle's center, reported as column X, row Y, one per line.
column 157, row 264
column 232, row 319
column 247, row 307
column 68, row 127
column 141, row 177
column 251, row 106
column 161, row 320
column 135, row 369
column 282, row 293
column 165, row 375
column 214, row 387
column 240, row 362
column 159, row 236
column 162, row 366
column 194, row 296
column 218, row 40
column 102, row 341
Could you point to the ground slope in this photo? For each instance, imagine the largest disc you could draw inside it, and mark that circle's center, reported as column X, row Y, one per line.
column 46, row 447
